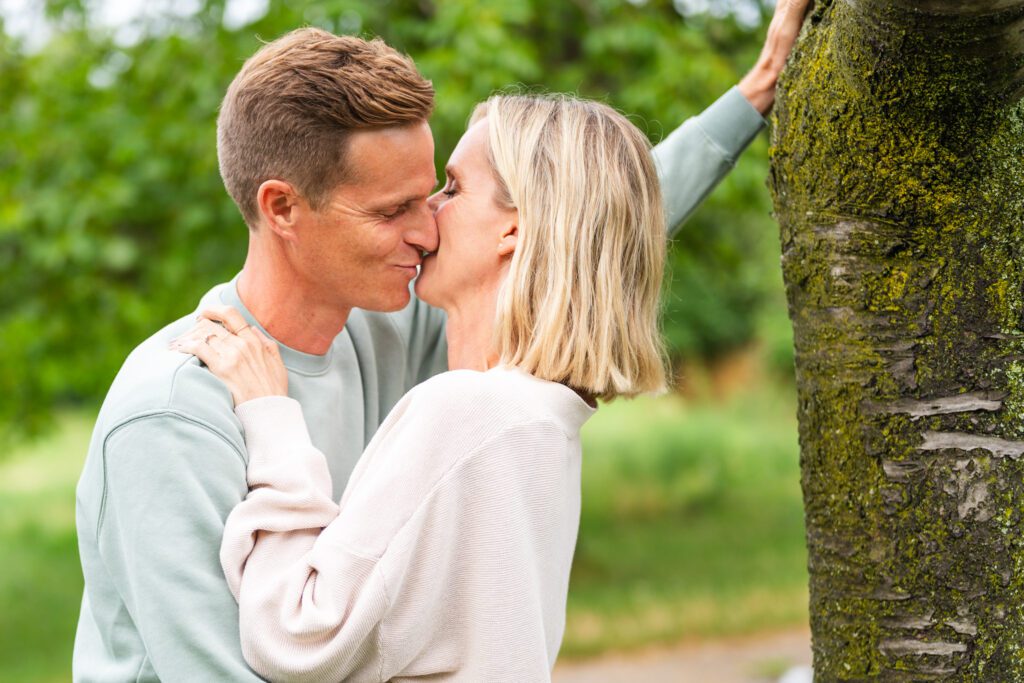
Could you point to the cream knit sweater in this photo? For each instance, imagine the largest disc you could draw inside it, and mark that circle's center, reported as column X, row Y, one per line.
column 448, row 557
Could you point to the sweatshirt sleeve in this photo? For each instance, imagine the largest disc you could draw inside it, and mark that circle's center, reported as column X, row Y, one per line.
column 170, row 481
column 697, row 155
column 294, row 627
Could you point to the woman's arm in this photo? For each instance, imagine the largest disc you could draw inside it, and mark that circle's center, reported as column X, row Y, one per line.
column 309, row 608
column 425, row 567
column 273, row 550
column 435, row 561
column 697, row 155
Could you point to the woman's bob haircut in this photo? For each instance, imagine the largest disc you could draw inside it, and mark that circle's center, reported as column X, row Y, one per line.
column 580, row 303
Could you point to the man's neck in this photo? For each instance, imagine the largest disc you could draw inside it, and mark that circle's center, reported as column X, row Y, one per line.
column 286, row 309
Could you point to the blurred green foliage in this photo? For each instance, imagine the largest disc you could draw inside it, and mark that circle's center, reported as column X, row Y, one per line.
column 113, row 219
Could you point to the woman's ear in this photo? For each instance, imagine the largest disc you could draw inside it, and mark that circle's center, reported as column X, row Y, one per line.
column 279, row 206
column 509, row 239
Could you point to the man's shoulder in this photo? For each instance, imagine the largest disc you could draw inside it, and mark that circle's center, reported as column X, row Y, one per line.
column 157, row 383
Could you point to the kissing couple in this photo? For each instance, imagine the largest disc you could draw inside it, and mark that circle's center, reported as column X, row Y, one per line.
column 362, row 461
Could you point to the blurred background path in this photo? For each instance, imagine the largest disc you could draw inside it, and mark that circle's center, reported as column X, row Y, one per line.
column 752, row 659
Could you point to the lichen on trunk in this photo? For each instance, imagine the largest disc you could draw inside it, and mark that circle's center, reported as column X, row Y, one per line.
column 898, row 181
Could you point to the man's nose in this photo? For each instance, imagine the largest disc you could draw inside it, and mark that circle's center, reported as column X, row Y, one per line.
column 434, row 201
column 423, row 232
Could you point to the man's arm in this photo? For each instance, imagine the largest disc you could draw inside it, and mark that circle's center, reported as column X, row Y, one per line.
column 170, row 483
column 695, row 157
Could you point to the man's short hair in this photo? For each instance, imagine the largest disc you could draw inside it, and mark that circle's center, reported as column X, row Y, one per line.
column 289, row 112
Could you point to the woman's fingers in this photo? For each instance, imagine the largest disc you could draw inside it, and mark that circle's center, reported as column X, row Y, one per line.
column 269, row 345
column 229, row 317
column 200, row 350
column 213, row 333
column 204, row 335
column 248, row 363
column 204, row 330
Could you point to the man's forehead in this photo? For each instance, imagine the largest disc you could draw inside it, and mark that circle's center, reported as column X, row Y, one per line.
column 398, row 183
column 414, row 141
column 392, row 163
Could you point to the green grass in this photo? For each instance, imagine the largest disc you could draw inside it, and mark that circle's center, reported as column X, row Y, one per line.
column 40, row 579
column 692, row 527
column 692, row 522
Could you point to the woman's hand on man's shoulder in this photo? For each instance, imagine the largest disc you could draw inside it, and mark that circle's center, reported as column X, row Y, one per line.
column 240, row 355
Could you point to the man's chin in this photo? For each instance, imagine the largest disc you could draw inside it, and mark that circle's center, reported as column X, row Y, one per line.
column 389, row 304
column 423, row 289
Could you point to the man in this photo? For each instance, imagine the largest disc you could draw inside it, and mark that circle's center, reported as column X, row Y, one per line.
column 324, row 145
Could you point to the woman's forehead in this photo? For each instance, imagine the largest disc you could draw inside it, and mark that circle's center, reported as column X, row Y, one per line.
column 470, row 155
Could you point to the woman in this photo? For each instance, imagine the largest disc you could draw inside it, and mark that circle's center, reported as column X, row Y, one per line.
column 448, row 556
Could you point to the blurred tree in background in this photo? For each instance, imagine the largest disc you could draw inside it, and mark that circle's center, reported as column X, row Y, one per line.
column 113, row 219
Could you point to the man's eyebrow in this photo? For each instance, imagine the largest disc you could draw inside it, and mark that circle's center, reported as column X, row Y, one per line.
column 401, row 200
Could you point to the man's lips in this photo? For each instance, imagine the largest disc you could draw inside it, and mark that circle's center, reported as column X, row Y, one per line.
column 409, row 270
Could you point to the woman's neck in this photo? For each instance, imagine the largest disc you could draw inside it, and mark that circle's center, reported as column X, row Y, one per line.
column 470, row 333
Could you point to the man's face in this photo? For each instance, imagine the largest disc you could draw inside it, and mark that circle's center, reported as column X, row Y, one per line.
column 362, row 248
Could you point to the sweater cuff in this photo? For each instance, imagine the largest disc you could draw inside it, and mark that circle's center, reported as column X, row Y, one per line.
column 731, row 123
column 273, row 425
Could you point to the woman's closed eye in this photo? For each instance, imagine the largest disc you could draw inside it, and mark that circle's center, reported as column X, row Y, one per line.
column 449, row 190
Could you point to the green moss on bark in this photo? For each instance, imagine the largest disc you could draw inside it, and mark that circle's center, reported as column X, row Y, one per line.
column 898, row 177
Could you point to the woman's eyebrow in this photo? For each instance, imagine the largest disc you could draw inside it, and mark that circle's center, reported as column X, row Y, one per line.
column 451, row 172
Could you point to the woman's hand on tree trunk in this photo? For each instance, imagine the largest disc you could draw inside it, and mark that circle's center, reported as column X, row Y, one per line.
column 758, row 86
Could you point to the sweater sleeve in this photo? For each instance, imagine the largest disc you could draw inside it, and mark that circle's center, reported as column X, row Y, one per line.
column 697, row 155
column 293, row 627
column 169, row 482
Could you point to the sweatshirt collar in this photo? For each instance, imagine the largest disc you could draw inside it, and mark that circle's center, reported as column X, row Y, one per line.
column 295, row 360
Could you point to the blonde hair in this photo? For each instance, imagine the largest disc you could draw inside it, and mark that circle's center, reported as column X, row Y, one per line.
column 581, row 300
column 289, row 111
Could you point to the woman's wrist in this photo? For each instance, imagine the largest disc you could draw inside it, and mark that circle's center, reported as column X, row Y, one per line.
column 266, row 408
column 274, row 428
column 758, row 86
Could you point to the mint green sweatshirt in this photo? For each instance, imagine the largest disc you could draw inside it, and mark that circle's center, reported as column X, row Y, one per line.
column 167, row 461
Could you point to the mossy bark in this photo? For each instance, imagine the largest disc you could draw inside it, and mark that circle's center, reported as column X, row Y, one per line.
column 898, row 180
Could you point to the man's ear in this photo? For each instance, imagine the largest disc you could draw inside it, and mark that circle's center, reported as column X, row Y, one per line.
column 509, row 240
column 280, row 207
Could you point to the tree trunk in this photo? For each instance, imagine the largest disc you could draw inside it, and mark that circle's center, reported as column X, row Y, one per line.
column 898, row 180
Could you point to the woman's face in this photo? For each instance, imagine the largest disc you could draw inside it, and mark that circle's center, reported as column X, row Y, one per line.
column 476, row 235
